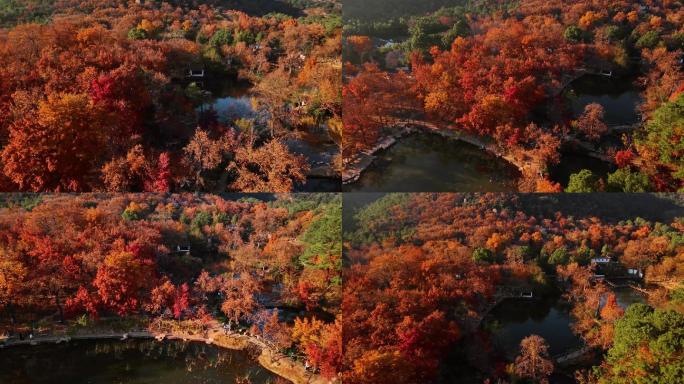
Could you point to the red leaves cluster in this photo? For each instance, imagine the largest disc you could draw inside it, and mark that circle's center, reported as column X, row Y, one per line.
column 624, row 158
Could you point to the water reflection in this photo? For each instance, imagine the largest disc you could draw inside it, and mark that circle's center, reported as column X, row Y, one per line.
column 626, row 296
column 513, row 320
column 430, row 163
column 129, row 362
column 619, row 98
column 573, row 162
column 229, row 109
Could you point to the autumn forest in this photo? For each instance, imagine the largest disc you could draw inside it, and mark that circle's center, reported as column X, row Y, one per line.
column 501, row 288
column 153, row 96
column 341, row 191
column 578, row 96
column 254, row 272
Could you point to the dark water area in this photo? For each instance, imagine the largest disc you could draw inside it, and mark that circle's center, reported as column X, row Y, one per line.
column 431, row 163
column 513, row 320
column 320, row 184
column 508, row 324
column 549, row 317
column 128, row 362
column 574, row 162
column 319, row 150
column 627, row 296
column 618, row 96
column 227, row 109
column 230, row 100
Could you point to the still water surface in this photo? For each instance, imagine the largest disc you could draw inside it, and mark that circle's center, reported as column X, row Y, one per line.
column 430, row 163
column 129, row 362
column 618, row 96
column 513, row 320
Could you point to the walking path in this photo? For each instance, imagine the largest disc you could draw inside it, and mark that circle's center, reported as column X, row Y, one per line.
column 354, row 167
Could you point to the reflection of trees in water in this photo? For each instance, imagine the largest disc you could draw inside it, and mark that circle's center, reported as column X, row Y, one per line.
column 131, row 361
column 196, row 356
column 521, row 310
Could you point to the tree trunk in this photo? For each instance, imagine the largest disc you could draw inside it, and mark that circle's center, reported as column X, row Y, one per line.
column 59, row 307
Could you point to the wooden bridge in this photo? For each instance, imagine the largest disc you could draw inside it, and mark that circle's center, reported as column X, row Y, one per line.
column 628, row 284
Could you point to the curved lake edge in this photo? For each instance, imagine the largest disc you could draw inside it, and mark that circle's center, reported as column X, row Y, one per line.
column 268, row 358
column 362, row 161
column 355, row 168
column 571, row 144
column 572, row 355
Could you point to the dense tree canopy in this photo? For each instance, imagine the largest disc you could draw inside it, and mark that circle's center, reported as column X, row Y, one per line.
column 426, row 268
column 93, row 97
column 498, row 71
column 180, row 257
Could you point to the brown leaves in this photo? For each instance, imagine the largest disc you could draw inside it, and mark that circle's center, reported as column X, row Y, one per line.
column 57, row 150
column 534, row 362
column 270, row 167
column 591, row 122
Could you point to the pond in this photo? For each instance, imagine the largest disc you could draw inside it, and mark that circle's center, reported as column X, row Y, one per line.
column 235, row 101
column 619, row 97
column 320, row 153
column 626, row 296
column 128, row 362
column 574, row 162
column 232, row 101
column 229, row 109
column 513, row 320
column 431, row 163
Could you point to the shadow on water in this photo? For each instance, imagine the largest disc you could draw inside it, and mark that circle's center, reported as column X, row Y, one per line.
column 513, row 320
column 484, row 354
column 618, row 96
column 129, row 362
column 626, row 296
column 430, row 163
column 573, row 162
column 320, row 184
column 231, row 101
